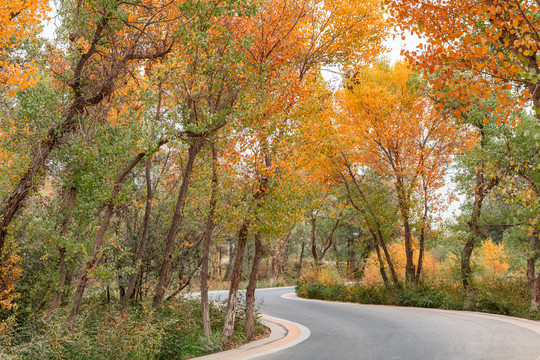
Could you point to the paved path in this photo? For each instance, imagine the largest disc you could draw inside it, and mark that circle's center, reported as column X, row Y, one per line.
column 372, row 332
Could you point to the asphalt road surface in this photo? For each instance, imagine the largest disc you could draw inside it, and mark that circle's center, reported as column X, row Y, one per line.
column 372, row 332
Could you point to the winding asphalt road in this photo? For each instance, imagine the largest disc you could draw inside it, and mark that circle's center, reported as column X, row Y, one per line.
column 372, row 332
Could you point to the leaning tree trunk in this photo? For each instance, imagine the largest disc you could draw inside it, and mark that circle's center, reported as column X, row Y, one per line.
column 62, row 266
column 87, row 267
column 178, row 215
column 206, row 247
column 260, row 192
column 381, row 266
column 466, row 271
column 250, row 291
column 130, row 291
column 236, row 275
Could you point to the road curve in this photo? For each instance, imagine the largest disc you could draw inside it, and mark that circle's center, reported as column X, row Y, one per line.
column 372, row 332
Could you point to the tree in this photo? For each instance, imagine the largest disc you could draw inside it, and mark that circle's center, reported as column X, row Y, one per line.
column 388, row 125
column 497, row 41
column 98, row 54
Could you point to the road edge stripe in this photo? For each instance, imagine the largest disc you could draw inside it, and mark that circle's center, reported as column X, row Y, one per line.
column 283, row 335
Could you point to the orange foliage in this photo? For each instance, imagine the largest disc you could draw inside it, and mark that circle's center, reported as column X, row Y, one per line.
column 18, row 22
column 9, row 273
column 494, row 38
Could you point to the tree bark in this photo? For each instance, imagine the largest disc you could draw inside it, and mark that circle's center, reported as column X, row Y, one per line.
column 130, row 291
column 206, row 247
column 250, row 291
column 236, row 275
column 481, row 191
column 260, row 192
column 277, row 258
column 404, row 201
column 178, row 215
column 227, row 275
column 533, row 278
column 301, row 258
column 381, row 266
column 62, row 266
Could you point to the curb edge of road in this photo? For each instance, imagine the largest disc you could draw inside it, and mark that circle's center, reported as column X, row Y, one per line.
column 283, row 334
column 524, row 323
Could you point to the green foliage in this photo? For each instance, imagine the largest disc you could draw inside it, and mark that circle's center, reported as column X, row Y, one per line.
column 115, row 333
column 504, row 296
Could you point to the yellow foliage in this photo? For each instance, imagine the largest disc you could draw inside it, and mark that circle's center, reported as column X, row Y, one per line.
column 324, row 275
column 493, row 257
column 372, row 275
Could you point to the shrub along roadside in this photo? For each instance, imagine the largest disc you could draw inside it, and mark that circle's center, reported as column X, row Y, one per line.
column 509, row 297
column 109, row 332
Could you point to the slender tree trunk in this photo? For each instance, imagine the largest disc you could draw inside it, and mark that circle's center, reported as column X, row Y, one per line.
column 227, row 276
column 277, row 258
column 130, row 291
column 422, row 237
column 381, row 266
column 236, row 275
column 62, row 266
column 91, row 263
column 389, row 261
column 206, row 247
column 314, row 241
column 259, row 195
column 301, row 258
column 178, row 215
column 250, row 292
column 410, row 271
column 474, row 229
column 329, row 240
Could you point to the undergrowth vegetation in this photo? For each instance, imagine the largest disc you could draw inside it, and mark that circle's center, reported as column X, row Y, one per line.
column 497, row 289
column 114, row 332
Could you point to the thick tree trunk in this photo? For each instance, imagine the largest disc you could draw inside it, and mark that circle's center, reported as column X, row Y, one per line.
column 236, row 275
column 62, row 266
column 130, row 291
column 250, row 292
column 92, row 261
column 206, row 247
column 178, row 215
